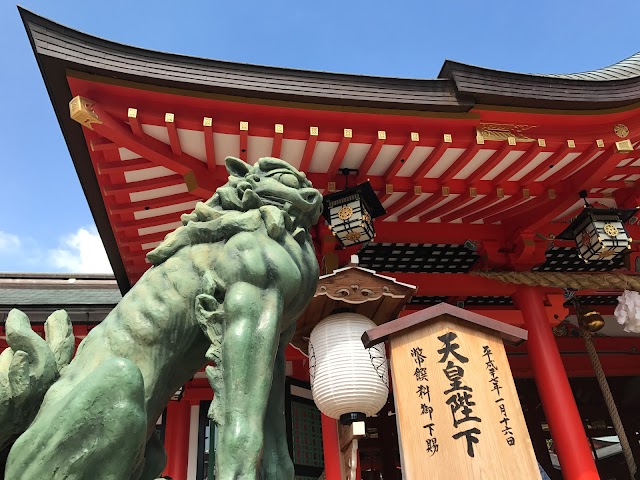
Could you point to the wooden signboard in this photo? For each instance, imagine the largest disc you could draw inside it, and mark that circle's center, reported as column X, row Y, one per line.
column 457, row 408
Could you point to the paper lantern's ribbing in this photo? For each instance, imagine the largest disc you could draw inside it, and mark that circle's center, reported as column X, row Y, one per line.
column 346, row 377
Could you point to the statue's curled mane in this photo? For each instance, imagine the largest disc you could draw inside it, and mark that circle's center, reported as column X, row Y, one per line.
column 226, row 214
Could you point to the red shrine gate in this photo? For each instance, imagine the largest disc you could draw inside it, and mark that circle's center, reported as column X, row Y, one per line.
column 479, row 170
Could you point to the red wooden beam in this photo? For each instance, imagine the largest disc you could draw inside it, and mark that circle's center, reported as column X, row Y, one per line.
column 151, row 204
column 530, row 204
column 582, row 180
column 459, row 201
column 244, row 140
column 431, row 160
column 340, row 153
column 276, row 148
column 372, row 155
column 192, row 170
column 401, row 203
column 626, row 170
column 455, row 233
column 423, row 206
column 135, row 244
column 461, row 161
column 574, row 165
column 388, row 191
column 555, row 157
column 402, row 157
column 484, row 202
column 209, row 147
column 144, row 185
column 134, row 122
column 309, row 148
column 100, row 145
column 491, row 163
column 497, row 207
column 174, row 140
column 521, row 162
column 122, row 166
column 134, row 225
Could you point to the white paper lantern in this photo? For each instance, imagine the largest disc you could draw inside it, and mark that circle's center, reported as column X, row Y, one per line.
column 627, row 312
column 347, row 378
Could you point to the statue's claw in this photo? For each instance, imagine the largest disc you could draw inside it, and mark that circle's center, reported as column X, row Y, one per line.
column 29, row 367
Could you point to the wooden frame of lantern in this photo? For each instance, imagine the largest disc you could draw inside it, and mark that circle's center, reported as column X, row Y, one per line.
column 599, row 233
column 350, row 214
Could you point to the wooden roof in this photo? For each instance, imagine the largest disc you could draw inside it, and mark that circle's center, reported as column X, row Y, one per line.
column 493, row 157
column 357, row 290
column 511, row 335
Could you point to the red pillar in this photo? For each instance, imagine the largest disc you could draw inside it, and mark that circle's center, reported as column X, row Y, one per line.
column 331, row 448
column 176, row 439
column 558, row 403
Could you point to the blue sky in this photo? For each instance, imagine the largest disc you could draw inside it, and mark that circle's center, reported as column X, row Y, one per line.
column 45, row 224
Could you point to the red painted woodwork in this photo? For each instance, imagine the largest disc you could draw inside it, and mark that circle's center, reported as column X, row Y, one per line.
column 558, row 403
column 399, row 161
column 430, row 161
column 505, row 204
column 370, row 157
column 468, row 154
column 123, row 128
column 331, row 448
column 309, row 148
column 336, row 161
column 176, row 439
column 555, row 157
column 209, row 146
column 419, row 209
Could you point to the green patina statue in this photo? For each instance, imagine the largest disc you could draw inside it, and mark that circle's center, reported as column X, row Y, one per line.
column 225, row 289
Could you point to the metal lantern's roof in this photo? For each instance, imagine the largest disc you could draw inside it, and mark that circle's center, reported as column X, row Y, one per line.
column 366, row 194
column 569, row 232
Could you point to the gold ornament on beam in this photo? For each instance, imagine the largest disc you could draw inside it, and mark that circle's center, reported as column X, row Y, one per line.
column 621, row 130
column 504, row 132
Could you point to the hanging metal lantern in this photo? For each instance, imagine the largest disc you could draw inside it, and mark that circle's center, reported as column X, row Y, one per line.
column 348, row 382
column 599, row 233
column 350, row 214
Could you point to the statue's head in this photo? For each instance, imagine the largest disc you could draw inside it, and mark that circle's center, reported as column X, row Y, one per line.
column 271, row 181
column 251, row 193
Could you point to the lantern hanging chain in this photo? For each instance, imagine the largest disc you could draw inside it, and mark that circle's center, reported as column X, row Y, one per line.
column 583, row 195
column 609, row 401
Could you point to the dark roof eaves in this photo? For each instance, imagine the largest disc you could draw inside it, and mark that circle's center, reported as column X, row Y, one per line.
column 78, row 148
column 160, row 59
column 528, row 90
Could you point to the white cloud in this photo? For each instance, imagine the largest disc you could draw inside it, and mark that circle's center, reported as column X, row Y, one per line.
column 9, row 243
column 81, row 252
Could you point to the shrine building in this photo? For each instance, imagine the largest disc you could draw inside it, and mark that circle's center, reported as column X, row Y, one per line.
column 479, row 173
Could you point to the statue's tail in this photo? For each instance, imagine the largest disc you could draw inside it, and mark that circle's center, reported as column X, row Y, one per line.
column 210, row 316
column 28, row 367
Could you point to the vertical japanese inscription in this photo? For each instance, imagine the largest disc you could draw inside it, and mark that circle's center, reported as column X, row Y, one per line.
column 507, row 431
column 461, row 396
column 423, row 393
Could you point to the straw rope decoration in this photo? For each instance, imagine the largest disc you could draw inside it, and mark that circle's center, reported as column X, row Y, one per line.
column 575, row 281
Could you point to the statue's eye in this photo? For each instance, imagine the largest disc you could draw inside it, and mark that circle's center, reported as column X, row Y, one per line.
column 289, row 180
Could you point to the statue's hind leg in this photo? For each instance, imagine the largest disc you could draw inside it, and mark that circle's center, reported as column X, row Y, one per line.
column 94, row 430
column 252, row 332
